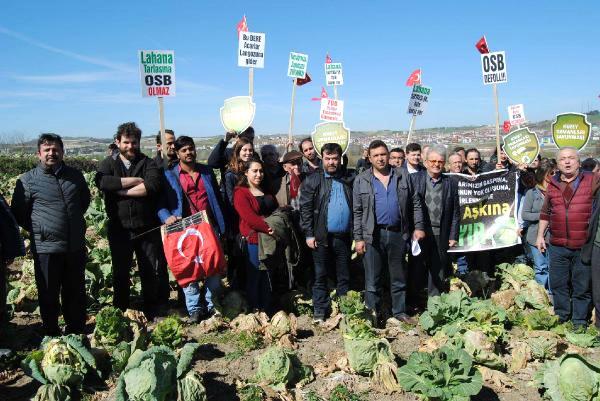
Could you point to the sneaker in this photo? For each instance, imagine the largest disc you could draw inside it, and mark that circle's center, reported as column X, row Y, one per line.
column 318, row 320
column 404, row 318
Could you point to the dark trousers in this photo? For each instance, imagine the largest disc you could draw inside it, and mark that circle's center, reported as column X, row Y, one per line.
column 61, row 274
column 570, row 284
column 595, row 269
column 436, row 264
column 258, row 282
column 153, row 273
column 3, row 290
column 386, row 252
column 331, row 258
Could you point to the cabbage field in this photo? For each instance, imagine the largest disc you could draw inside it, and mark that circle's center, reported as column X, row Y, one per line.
column 489, row 338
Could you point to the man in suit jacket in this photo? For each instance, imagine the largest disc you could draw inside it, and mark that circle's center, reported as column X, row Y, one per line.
column 441, row 212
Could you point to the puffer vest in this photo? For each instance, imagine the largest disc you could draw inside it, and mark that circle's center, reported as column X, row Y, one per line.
column 569, row 221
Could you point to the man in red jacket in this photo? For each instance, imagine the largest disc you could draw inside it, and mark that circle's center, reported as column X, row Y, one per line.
column 566, row 212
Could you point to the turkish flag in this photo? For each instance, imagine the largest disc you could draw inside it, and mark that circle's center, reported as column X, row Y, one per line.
column 324, row 95
column 242, row 26
column 302, row 81
column 194, row 253
column 506, row 126
column 482, row 46
column 327, row 59
column 415, row 78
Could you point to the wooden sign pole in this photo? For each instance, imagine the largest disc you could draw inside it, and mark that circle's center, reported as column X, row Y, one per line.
column 163, row 139
column 290, row 136
column 410, row 128
column 497, row 123
column 251, row 82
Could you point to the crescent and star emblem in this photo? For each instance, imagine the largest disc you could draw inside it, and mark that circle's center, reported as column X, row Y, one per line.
column 187, row 233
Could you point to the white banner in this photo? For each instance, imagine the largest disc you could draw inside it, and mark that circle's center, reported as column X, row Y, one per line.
column 157, row 72
column 251, row 50
column 332, row 110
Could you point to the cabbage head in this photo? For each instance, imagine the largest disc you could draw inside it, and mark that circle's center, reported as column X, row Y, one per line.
column 281, row 324
column 53, row 392
column 191, row 388
column 571, row 378
column 279, row 368
column 111, row 327
column 66, row 360
column 168, row 332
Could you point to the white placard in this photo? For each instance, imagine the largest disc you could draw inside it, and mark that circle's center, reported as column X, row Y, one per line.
column 251, row 50
column 157, row 72
column 297, row 65
column 516, row 114
column 333, row 74
column 493, row 68
column 332, row 110
column 418, row 100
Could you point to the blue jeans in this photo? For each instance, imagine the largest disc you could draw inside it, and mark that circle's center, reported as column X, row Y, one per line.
column 258, row 282
column 462, row 265
column 570, row 283
column 193, row 295
column 334, row 256
column 541, row 262
column 387, row 251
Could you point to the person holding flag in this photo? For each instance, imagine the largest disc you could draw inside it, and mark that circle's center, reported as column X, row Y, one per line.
column 193, row 188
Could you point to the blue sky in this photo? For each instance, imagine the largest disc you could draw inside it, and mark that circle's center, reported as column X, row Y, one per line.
column 71, row 67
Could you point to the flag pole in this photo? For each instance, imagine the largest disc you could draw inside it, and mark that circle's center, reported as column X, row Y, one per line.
column 497, row 123
column 290, row 136
column 251, row 82
column 335, row 92
column 163, row 139
column 410, row 128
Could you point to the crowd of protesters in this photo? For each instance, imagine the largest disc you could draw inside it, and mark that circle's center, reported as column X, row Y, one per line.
column 292, row 221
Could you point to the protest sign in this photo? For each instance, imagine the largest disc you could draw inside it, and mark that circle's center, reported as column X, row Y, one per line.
column 157, row 72
column 237, row 113
column 333, row 74
column 488, row 204
column 332, row 109
column 493, row 68
column 571, row 129
column 418, row 100
column 522, row 146
column 330, row 132
column 251, row 50
column 516, row 114
column 297, row 65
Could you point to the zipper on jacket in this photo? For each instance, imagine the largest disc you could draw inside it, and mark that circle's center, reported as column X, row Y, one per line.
column 62, row 195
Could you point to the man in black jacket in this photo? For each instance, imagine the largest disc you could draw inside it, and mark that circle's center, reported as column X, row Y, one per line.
column 326, row 220
column 49, row 202
column 131, row 182
column 441, row 212
column 11, row 246
column 387, row 214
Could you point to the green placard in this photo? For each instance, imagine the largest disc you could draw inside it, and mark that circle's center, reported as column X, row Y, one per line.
column 522, row 146
column 237, row 113
column 330, row 132
column 571, row 129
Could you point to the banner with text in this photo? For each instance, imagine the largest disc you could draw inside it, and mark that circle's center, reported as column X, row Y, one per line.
column 251, row 50
column 297, row 65
column 571, row 130
column 333, row 74
column 332, row 109
column 488, row 205
column 418, row 100
column 157, row 72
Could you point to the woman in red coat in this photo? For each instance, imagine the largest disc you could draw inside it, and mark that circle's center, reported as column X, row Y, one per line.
column 253, row 205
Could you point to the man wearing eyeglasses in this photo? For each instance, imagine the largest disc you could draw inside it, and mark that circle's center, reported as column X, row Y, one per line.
column 441, row 213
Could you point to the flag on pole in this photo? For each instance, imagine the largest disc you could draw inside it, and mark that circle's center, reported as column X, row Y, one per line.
column 327, row 59
column 242, row 26
column 506, row 126
column 302, row 81
column 415, row 78
column 482, row 46
column 324, row 95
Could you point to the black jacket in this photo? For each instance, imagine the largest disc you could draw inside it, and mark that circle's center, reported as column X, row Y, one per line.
column 586, row 251
column 126, row 212
column 450, row 220
column 51, row 207
column 314, row 202
column 11, row 243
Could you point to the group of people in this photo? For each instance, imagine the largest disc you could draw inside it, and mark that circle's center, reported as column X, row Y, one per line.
column 294, row 220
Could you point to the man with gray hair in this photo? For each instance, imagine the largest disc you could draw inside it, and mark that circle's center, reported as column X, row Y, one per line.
column 566, row 212
column 441, row 214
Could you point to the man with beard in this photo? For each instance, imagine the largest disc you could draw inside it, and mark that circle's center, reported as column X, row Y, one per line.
column 192, row 188
column 49, row 202
column 311, row 159
column 171, row 154
column 325, row 218
column 131, row 183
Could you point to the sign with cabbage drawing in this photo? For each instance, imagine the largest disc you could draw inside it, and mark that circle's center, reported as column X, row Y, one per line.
column 488, row 205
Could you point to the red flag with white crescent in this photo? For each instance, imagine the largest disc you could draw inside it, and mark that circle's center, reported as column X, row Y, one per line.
column 415, row 78
column 242, row 26
column 324, row 95
column 327, row 59
column 506, row 126
column 194, row 253
column 482, row 46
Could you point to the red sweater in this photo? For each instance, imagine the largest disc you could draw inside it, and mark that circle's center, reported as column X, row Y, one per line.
column 251, row 223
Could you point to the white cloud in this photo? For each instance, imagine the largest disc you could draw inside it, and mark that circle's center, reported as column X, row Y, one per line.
column 73, row 78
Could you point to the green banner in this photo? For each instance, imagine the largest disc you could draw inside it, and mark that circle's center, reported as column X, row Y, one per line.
column 572, row 130
column 330, row 132
column 488, row 204
column 522, row 146
column 237, row 113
